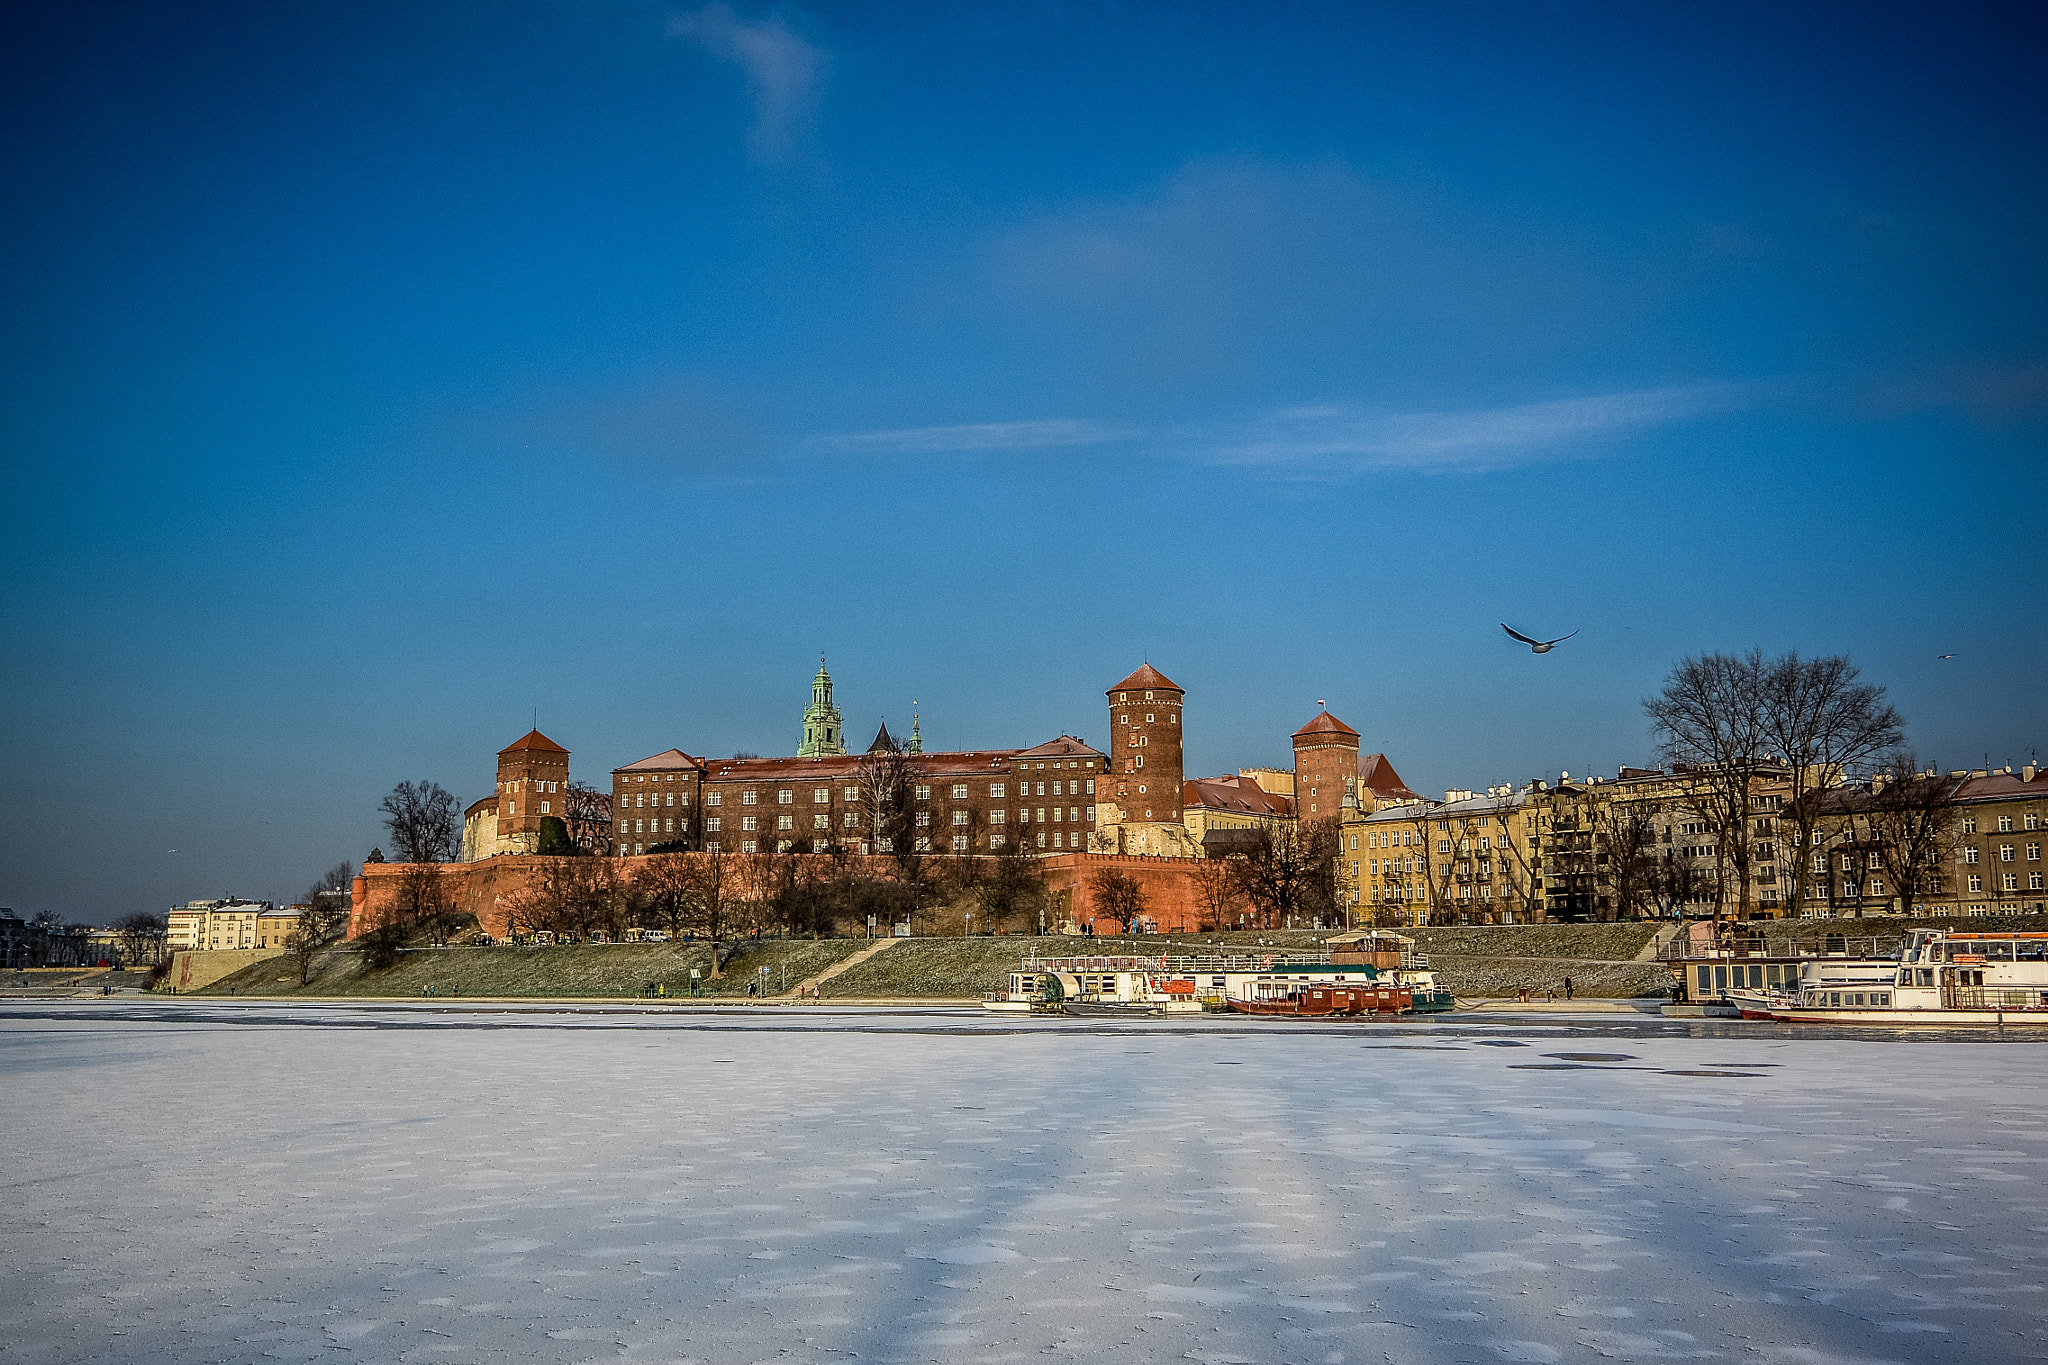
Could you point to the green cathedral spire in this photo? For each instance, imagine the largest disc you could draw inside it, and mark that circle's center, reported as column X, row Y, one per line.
column 824, row 734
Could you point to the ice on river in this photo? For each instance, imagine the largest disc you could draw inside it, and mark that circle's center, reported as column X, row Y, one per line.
column 194, row 1182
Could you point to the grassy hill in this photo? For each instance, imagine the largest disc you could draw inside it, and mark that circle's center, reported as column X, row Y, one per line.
column 623, row 970
column 1472, row 961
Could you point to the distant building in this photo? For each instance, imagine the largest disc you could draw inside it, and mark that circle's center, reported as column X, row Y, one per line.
column 228, row 923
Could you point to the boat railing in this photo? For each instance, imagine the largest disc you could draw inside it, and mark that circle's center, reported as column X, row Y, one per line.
column 1824, row 946
column 1993, row 998
column 1204, row 962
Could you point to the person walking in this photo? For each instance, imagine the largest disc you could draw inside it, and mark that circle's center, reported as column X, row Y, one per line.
column 1567, row 988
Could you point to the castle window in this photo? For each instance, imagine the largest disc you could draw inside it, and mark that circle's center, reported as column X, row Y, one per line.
column 821, row 822
column 959, row 817
column 785, row 822
column 1091, row 786
column 822, row 796
column 960, row 791
column 544, row 811
column 748, row 798
column 747, row 822
column 1139, row 761
column 853, row 793
column 714, row 798
column 1055, row 789
column 924, row 793
column 959, row 843
column 1148, row 717
column 746, row 845
column 997, row 817
column 711, row 824
column 995, row 789
column 784, row 797
column 995, row 841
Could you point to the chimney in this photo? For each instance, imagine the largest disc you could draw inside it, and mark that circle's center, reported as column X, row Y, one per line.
column 2027, row 773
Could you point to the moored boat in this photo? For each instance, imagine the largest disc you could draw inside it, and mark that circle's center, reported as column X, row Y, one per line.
column 1943, row 977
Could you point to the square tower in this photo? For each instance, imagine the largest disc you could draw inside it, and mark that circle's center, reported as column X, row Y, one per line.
column 533, row 784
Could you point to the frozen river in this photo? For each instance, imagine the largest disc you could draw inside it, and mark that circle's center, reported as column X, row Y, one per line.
column 227, row 1181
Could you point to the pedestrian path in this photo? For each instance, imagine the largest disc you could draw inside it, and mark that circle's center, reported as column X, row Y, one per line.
column 1655, row 946
column 805, row 986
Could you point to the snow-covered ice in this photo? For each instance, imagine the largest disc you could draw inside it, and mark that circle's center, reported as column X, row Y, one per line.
column 226, row 1181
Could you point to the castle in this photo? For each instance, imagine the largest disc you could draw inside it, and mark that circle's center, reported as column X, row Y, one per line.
column 1056, row 797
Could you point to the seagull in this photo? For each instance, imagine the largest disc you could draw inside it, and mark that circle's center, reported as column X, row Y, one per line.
column 1944, row 656
column 1536, row 646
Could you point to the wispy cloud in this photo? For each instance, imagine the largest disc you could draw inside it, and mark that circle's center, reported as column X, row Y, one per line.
column 982, row 436
column 784, row 70
column 1339, row 439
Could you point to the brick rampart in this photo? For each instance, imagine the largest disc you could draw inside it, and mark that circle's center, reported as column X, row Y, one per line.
column 1168, row 884
column 485, row 889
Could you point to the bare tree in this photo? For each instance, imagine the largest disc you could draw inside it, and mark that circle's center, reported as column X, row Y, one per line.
column 1014, row 888
column 1215, row 891
column 323, row 917
column 1713, row 726
column 667, row 886
column 1625, row 865
column 1912, row 816
column 1114, row 894
column 1289, row 870
column 420, row 903
column 587, row 818
column 424, row 822
column 1825, row 725
column 1675, row 883
column 142, row 937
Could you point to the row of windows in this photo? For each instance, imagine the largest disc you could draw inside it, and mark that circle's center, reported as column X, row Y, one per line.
column 2007, row 853
column 961, row 843
column 852, row 819
column 2030, row 820
column 504, row 787
column 2009, row 881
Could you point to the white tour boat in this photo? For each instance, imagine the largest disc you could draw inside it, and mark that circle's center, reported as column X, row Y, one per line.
column 1943, row 976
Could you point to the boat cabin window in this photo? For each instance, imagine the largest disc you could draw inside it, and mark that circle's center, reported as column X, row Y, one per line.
column 2031, row 950
column 1997, row 952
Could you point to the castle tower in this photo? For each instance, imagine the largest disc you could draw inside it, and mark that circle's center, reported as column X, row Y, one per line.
column 1145, row 746
column 533, row 784
column 1325, row 768
column 824, row 732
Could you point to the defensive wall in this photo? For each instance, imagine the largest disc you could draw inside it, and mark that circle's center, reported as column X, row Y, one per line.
column 194, row 968
column 486, row 888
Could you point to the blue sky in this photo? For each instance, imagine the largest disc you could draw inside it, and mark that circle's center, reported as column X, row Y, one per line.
column 376, row 375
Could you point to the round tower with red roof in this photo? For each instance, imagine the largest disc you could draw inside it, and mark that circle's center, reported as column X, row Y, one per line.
column 1325, row 768
column 1145, row 746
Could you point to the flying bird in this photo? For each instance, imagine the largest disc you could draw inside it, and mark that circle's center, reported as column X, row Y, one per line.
column 1944, row 656
column 1536, row 646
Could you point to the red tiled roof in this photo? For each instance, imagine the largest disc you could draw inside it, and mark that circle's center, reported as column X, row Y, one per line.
column 1066, row 746
column 533, row 739
column 843, row 766
column 1376, row 773
column 1325, row 724
column 1148, row 676
column 1234, row 793
column 662, row 762
column 1994, row 785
